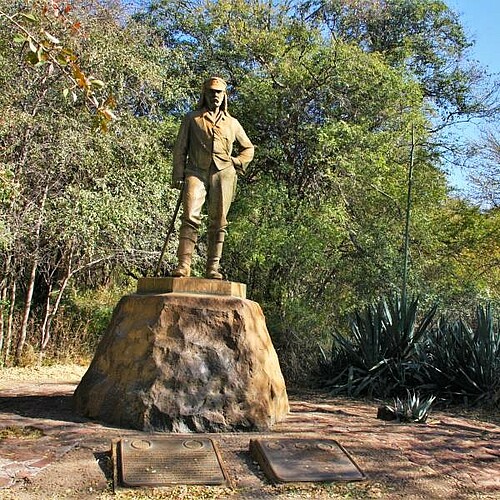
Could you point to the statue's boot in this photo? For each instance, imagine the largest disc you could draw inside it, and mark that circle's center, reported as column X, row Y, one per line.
column 187, row 241
column 215, row 244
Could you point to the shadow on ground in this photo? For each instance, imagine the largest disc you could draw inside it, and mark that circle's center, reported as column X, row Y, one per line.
column 41, row 407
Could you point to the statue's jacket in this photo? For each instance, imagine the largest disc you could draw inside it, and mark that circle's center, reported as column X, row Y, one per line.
column 202, row 141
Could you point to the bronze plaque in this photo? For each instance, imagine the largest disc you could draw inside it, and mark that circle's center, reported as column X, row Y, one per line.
column 294, row 460
column 146, row 461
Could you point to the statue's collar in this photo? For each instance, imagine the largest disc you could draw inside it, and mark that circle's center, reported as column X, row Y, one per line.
column 209, row 116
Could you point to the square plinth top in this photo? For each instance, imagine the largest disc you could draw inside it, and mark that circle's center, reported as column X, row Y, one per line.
column 191, row 285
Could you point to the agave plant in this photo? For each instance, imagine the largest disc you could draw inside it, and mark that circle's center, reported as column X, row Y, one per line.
column 378, row 357
column 465, row 361
column 412, row 409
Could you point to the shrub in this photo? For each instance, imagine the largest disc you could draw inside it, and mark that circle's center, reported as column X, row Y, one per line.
column 464, row 360
column 388, row 352
column 378, row 358
column 412, row 409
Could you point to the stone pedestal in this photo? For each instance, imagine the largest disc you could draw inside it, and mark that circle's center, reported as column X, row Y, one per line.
column 184, row 362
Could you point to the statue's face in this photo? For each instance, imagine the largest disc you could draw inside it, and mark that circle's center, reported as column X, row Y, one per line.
column 214, row 98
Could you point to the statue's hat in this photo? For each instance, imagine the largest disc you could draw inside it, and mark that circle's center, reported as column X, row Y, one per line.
column 215, row 83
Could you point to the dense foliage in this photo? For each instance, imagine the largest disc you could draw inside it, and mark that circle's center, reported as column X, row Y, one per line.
column 328, row 90
column 75, row 203
column 388, row 353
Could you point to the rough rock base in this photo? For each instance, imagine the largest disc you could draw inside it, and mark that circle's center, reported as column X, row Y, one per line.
column 180, row 362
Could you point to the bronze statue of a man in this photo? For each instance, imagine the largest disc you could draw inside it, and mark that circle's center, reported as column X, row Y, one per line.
column 206, row 171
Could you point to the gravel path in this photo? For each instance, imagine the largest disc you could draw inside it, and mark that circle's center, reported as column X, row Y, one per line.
column 46, row 451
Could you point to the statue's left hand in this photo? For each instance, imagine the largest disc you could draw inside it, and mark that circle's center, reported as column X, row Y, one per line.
column 238, row 166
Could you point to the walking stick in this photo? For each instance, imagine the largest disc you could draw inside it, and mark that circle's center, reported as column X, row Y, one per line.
column 170, row 231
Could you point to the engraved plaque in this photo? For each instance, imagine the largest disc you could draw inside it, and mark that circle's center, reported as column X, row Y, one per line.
column 168, row 461
column 296, row 460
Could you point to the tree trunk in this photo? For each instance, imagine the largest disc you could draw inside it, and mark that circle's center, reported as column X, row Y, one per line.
column 3, row 297
column 31, row 281
column 10, row 323
column 47, row 312
column 3, row 306
column 51, row 311
column 27, row 310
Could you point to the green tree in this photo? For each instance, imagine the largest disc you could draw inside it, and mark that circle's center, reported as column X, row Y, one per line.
column 77, row 204
column 423, row 36
column 484, row 173
column 319, row 216
column 329, row 93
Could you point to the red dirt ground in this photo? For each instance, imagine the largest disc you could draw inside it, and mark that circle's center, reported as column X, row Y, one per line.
column 451, row 456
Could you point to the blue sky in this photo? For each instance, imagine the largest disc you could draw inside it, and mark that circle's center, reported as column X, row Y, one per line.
column 481, row 20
